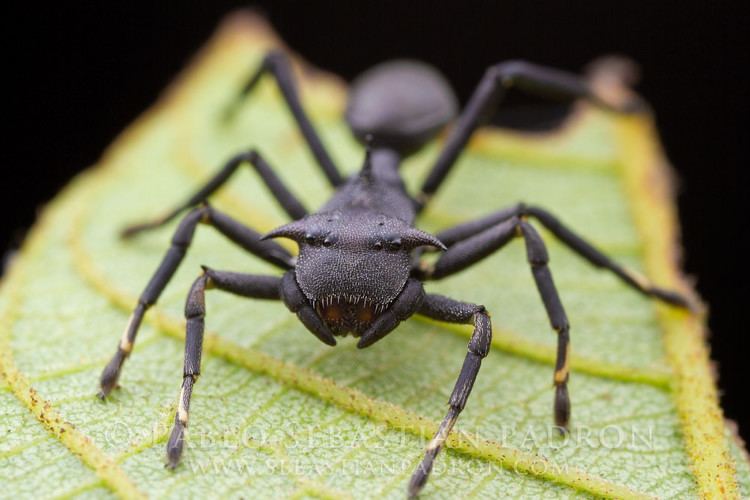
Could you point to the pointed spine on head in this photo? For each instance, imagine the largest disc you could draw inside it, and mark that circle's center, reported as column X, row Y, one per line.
column 413, row 238
column 294, row 231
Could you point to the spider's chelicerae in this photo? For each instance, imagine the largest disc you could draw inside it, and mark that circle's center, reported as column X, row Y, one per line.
column 358, row 269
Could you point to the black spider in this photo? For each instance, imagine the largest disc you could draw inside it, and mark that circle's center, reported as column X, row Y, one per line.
column 358, row 269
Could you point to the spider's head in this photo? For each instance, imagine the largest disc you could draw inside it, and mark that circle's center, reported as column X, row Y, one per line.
column 351, row 267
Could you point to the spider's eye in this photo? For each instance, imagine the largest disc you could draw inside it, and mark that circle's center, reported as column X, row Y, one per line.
column 394, row 244
column 330, row 239
column 378, row 245
column 313, row 238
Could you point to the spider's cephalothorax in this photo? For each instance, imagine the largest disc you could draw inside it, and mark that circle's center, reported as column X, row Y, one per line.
column 355, row 254
column 352, row 266
column 359, row 268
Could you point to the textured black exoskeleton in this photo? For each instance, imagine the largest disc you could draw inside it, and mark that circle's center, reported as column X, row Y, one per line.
column 358, row 270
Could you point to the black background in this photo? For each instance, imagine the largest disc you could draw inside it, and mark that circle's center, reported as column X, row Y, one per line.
column 81, row 74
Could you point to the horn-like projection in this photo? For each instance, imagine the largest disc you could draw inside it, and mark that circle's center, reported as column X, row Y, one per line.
column 413, row 238
column 294, row 231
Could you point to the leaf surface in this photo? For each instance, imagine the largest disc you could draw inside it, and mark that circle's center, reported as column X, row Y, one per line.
column 277, row 412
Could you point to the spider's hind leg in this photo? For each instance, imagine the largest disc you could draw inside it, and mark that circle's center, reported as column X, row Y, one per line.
column 277, row 64
column 534, row 79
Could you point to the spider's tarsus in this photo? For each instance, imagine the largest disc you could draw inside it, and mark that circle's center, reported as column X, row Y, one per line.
column 133, row 229
column 130, row 231
column 104, row 392
column 419, row 478
column 110, row 374
column 676, row 299
column 174, row 446
column 562, row 407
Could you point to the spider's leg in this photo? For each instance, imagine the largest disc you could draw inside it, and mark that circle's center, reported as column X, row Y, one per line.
column 573, row 241
column 597, row 258
column 465, row 230
column 246, row 285
column 238, row 233
column 531, row 78
column 296, row 302
column 471, row 250
column 286, row 199
column 277, row 64
column 446, row 309
column 406, row 304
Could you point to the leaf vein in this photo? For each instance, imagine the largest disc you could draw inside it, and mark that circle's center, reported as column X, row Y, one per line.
column 77, row 442
column 350, row 399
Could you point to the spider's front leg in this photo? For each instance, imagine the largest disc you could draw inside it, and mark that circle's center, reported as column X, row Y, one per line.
column 452, row 311
column 243, row 236
column 245, row 285
column 466, row 252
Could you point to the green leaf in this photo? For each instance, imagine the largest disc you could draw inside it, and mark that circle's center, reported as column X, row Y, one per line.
column 278, row 413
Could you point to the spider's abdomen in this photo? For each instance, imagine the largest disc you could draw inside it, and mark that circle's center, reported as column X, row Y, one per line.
column 401, row 104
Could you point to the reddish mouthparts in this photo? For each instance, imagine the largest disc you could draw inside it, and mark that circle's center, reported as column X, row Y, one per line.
column 346, row 314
